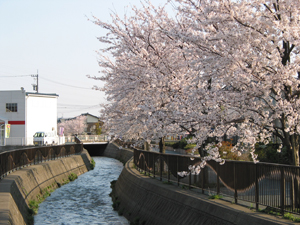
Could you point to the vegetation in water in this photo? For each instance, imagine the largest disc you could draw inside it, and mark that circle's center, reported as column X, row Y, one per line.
column 93, row 164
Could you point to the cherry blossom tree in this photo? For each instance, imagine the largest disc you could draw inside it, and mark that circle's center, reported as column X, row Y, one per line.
column 74, row 126
column 216, row 69
column 250, row 59
column 139, row 82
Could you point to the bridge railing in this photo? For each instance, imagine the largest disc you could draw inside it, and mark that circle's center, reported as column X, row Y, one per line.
column 87, row 138
column 266, row 184
column 15, row 159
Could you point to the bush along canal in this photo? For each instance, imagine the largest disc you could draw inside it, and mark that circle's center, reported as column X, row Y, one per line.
column 86, row 200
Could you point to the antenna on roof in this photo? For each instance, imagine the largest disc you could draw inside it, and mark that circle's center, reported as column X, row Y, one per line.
column 36, row 86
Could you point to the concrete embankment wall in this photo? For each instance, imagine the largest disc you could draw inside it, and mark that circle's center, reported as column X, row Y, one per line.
column 148, row 201
column 113, row 151
column 18, row 188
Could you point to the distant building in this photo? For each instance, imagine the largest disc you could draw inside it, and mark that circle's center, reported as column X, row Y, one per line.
column 91, row 122
column 24, row 113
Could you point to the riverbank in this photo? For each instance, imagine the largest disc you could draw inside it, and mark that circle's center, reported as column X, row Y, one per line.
column 29, row 183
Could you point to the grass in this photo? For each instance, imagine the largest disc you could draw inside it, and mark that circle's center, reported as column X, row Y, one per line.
column 215, row 196
column 184, row 187
column 167, row 182
column 292, row 217
column 33, row 205
column 72, row 176
column 277, row 212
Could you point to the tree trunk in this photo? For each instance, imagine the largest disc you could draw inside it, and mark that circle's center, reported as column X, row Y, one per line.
column 146, row 146
column 295, row 148
column 162, row 147
column 291, row 142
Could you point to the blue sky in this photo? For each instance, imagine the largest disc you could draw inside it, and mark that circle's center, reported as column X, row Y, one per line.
column 55, row 38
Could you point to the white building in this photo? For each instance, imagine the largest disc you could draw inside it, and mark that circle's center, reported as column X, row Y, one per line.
column 26, row 113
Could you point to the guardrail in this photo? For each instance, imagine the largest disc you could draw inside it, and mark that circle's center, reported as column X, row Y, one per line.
column 273, row 185
column 16, row 159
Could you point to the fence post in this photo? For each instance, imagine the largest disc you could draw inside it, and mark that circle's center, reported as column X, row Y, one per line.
column 190, row 179
column 235, row 181
column 203, row 177
column 218, row 178
column 177, row 170
column 148, row 156
column 161, row 167
column 168, row 160
column 153, row 164
column 256, row 187
column 282, row 190
column 144, row 167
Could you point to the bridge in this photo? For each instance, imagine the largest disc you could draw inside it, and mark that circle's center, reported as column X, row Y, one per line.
column 174, row 201
column 95, row 148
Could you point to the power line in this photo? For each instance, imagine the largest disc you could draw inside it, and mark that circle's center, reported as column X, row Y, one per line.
column 74, row 105
column 70, row 111
column 78, row 106
column 19, row 76
column 64, row 84
column 49, row 81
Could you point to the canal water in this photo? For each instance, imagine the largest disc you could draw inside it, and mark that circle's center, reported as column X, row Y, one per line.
column 85, row 200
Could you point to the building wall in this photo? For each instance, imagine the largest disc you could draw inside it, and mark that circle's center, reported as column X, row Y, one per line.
column 16, row 119
column 92, row 119
column 35, row 112
column 41, row 114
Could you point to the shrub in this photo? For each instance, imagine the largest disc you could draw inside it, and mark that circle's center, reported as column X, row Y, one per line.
column 72, row 176
column 268, row 153
column 215, row 197
column 189, row 146
column 33, row 206
column 170, row 143
column 226, row 153
column 180, row 144
column 93, row 164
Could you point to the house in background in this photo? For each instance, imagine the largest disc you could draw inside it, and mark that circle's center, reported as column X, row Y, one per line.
column 92, row 122
column 24, row 113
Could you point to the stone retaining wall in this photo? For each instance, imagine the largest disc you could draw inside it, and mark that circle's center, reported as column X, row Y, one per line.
column 113, row 151
column 18, row 188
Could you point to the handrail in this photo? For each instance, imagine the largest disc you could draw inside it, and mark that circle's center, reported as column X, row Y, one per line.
column 274, row 185
column 77, row 140
column 16, row 159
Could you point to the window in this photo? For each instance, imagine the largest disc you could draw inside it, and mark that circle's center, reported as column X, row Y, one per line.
column 11, row 107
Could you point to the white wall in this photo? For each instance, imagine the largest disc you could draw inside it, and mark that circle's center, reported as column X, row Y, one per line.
column 19, row 116
column 41, row 113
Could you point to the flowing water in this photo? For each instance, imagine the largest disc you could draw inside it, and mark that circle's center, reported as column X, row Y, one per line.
column 85, row 200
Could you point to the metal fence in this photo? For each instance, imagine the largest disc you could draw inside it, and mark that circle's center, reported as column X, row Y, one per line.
column 16, row 159
column 266, row 184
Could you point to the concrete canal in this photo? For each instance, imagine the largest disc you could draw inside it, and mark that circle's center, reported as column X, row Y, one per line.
column 85, row 200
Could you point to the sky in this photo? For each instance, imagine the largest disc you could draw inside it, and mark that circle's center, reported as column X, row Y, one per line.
column 55, row 39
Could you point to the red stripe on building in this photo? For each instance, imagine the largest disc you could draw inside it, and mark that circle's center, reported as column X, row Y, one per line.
column 16, row 122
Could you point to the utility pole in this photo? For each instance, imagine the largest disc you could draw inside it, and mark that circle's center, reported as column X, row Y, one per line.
column 36, row 86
